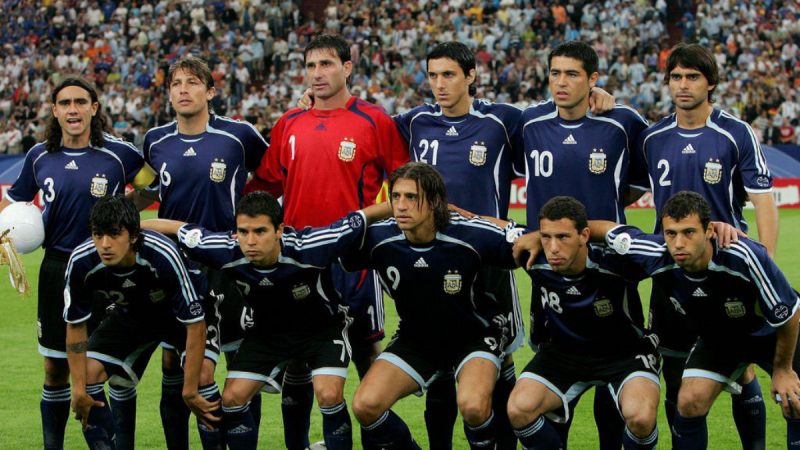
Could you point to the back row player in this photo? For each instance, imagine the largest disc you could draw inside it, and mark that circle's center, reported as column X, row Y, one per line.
column 77, row 164
column 202, row 161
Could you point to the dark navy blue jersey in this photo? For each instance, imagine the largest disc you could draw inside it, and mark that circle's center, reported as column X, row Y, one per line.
column 476, row 153
column 161, row 285
column 742, row 293
column 202, row 176
column 435, row 285
column 588, row 158
column 71, row 181
column 296, row 294
column 721, row 161
column 593, row 312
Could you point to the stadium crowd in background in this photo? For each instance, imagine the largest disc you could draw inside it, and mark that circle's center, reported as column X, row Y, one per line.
column 255, row 51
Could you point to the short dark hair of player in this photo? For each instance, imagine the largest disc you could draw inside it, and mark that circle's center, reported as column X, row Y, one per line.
column 684, row 204
column 261, row 203
column 329, row 42
column 694, row 56
column 459, row 53
column 430, row 187
column 194, row 66
column 579, row 50
column 563, row 207
column 99, row 124
column 113, row 213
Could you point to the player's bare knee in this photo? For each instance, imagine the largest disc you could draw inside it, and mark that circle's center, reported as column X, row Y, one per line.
column 475, row 408
column 232, row 399
column 641, row 422
column 693, row 402
column 56, row 372
column 367, row 407
column 328, row 396
column 519, row 412
column 207, row 372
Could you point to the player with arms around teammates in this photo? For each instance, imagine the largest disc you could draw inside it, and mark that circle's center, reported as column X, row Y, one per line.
column 202, row 161
column 326, row 162
column 431, row 263
column 706, row 150
column 297, row 313
column 594, row 340
column 155, row 297
column 77, row 164
column 736, row 301
column 570, row 151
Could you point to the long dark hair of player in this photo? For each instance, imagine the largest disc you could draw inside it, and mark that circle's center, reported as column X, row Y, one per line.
column 430, row 187
column 460, row 53
column 261, row 203
column 684, row 204
column 113, row 213
column 697, row 57
column 100, row 124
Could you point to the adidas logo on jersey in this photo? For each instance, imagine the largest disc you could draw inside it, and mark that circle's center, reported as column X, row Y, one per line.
column 190, row 152
column 688, row 150
column 71, row 165
column 265, row 282
column 573, row 291
column 128, row 284
column 420, row 263
column 452, row 131
column 569, row 140
column 699, row 293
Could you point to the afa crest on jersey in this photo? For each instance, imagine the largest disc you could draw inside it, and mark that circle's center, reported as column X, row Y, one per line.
column 301, row 291
column 603, row 307
column 712, row 173
column 597, row 161
column 347, row 149
column 452, row 282
column 99, row 185
column 218, row 170
column 734, row 308
column 478, row 154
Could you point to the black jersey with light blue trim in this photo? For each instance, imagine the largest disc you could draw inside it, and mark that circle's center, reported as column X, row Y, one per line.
column 71, row 181
column 722, row 161
column 588, row 158
column 202, row 176
column 296, row 295
column 593, row 312
column 435, row 285
column 742, row 293
column 475, row 153
column 160, row 285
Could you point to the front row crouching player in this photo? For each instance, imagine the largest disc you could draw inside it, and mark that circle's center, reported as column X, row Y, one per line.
column 297, row 313
column 593, row 338
column 430, row 262
column 154, row 297
column 736, row 299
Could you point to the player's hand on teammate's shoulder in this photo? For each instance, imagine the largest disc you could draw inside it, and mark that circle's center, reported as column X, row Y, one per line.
column 307, row 100
column 529, row 244
column 726, row 234
column 202, row 408
column 82, row 405
column 600, row 101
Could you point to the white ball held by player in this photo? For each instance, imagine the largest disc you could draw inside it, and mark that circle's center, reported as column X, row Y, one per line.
column 23, row 220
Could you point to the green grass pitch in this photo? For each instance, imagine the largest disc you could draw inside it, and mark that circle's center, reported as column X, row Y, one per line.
column 22, row 375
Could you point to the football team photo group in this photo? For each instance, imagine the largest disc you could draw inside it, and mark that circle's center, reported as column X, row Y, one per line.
column 273, row 261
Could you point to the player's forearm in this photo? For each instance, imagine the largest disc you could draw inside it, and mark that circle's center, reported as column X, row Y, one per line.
column 766, row 220
column 786, row 342
column 378, row 211
column 141, row 198
column 77, row 344
column 195, row 347
column 164, row 226
column 4, row 202
column 598, row 229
